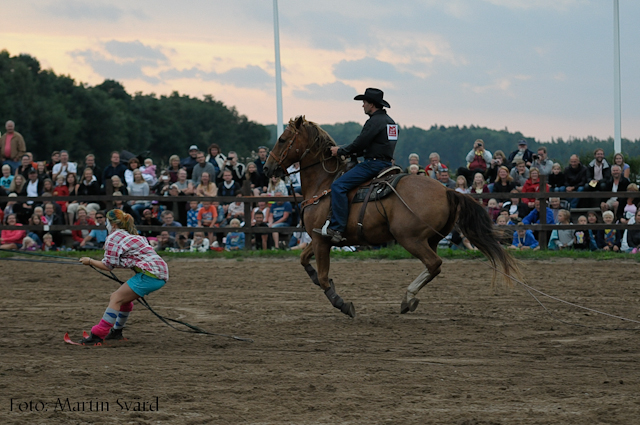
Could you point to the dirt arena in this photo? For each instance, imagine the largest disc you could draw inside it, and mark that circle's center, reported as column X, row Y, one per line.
column 468, row 355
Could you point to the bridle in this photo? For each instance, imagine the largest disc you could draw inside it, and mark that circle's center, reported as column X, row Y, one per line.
column 285, row 153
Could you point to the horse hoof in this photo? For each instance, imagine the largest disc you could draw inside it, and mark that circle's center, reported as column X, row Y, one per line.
column 348, row 309
column 411, row 305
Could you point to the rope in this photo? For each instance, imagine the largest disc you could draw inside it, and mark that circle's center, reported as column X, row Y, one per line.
column 529, row 288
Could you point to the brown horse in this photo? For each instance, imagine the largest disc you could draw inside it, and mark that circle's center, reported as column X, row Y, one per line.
column 418, row 216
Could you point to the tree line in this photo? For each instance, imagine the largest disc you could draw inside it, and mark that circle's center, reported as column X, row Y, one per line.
column 55, row 112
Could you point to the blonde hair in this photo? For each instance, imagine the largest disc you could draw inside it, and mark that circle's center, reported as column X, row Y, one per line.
column 235, row 221
column 608, row 214
column 123, row 220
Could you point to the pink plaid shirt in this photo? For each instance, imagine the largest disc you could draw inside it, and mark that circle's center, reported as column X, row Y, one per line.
column 127, row 251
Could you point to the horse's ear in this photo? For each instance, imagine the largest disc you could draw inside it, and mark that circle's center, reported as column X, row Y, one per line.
column 299, row 121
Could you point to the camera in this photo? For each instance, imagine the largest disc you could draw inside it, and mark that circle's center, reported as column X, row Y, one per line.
column 535, row 157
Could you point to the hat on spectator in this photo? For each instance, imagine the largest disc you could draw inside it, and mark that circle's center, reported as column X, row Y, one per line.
column 154, row 202
column 32, row 170
column 522, row 142
column 193, row 148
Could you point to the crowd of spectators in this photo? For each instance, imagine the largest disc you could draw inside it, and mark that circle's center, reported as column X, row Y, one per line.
column 198, row 173
column 210, row 173
column 520, row 172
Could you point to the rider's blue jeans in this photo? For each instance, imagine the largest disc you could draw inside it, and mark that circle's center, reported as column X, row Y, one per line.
column 358, row 175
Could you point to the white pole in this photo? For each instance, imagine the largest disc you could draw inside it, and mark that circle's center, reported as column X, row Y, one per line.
column 276, row 33
column 617, row 141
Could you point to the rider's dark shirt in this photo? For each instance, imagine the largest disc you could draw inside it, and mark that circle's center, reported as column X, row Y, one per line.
column 374, row 140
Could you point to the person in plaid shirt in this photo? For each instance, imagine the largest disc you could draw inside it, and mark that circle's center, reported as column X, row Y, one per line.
column 124, row 248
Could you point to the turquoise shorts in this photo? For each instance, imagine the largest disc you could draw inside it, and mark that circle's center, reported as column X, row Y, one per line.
column 143, row 285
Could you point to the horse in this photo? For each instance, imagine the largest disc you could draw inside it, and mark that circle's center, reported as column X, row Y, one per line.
column 417, row 216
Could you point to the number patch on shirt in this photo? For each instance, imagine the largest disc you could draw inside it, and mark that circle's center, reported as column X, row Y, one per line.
column 392, row 131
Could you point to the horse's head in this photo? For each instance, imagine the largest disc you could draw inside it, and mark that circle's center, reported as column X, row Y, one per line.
column 290, row 147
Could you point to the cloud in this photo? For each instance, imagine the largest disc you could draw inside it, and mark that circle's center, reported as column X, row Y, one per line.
column 114, row 69
column 78, row 10
column 332, row 91
column 366, row 68
column 133, row 50
column 539, row 4
column 250, row 76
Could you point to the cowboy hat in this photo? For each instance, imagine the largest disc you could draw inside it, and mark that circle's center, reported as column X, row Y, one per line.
column 374, row 96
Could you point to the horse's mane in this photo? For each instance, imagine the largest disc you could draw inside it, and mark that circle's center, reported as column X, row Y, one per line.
column 319, row 140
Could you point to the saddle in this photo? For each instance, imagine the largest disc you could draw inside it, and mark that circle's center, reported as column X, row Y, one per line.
column 380, row 186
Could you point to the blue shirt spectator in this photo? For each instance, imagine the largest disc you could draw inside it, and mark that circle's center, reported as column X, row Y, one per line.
column 534, row 216
column 526, row 240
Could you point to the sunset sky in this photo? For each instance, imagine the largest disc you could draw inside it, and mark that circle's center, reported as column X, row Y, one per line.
column 542, row 67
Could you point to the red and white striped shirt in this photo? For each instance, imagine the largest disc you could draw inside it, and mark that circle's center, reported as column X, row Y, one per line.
column 127, row 251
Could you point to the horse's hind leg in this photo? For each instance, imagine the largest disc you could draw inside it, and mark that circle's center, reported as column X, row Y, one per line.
column 427, row 254
column 305, row 256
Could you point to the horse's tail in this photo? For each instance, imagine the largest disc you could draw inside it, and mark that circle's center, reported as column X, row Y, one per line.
column 476, row 225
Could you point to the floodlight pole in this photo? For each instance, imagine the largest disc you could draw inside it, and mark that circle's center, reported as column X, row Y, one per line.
column 276, row 33
column 617, row 140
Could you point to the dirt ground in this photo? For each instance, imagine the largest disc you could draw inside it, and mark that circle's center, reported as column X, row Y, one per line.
column 468, row 355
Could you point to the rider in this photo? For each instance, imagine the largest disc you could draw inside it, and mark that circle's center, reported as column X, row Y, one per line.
column 376, row 143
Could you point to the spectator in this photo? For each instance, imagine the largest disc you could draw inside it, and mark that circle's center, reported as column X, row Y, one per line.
column 64, row 166
column 556, row 179
column 435, row 166
column 504, row 235
column 522, row 154
column 478, row 160
column 262, row 158
column 33, row 188
column 96, row 237
column 183, row 243
column 51, row 218
column 83, row 220
column 190, row 161
column 165, row 241
column 149, row 172
column 235, row 240
column 254, row 180
column 592, row 218
column 47, row 187
column 276, row 184
column 630, row 208
column 118, row 186
column 261, row 240
column 192, row 214
column 524, row 240
column 139, row 187
column 87, row 187
column 581, row 239
column 185, row 186
column 149, row 220
column 299, row 241
column 616, row 183
column 479, row 186
column 280, row 217
column 493, row 209
column 413, row 169
column 532, row 185
column 618, row 159
column 541, row 162
column 202, row 166
column 119, row 204
column 25, row 165
column 36, row 220
column 504, row 182
column 178, row 208
column 519, row 174
column 414, row 159
column 47, row 243
column 575, row 178
column 555, row 205
column 115, row 168
column 444, row 178
column 217, row 159
column 41, row 166
column 90, row 162
column 237, row 169
column 534, row 216
column 174, row 167
column 199, row 243
column 293, row 179
column 7, row 178
column 17, row 184
column 598, row 171
column 12, row 146
column 633, row 237
column 228, row 186
column 562, row 238
column 461, row 185
column 55, row 158
column 498, row 160
column 262, row 207
column 132, row 165
column 206, row 186
column 29, row 244
column 236, row 209
column 164, row 182
column 611, row 239
column 207, row 216
column 168, row 221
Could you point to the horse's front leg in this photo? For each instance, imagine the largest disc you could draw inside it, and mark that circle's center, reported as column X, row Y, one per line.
column 305, row 257
column 322, row 251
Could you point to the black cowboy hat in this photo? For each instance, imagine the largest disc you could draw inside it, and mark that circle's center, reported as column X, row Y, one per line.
column 374, row 96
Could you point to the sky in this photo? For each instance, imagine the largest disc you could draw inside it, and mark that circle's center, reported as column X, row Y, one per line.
column 541, row 67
